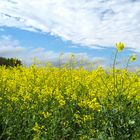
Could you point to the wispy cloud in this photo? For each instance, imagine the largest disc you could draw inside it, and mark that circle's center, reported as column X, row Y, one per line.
column 11, row 47
column 86, row 22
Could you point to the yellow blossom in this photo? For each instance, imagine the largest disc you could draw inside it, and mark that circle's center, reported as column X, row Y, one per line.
column 133, row 57
column 120, row 46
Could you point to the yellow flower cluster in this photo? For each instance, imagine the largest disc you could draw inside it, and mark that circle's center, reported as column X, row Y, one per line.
column 49, row 99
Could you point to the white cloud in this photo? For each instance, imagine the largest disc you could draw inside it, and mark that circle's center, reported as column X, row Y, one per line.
column 57, row 57
column 87, row 22
column 10, row 47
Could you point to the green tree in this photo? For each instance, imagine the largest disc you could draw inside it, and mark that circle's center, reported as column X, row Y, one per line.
column 10, row 62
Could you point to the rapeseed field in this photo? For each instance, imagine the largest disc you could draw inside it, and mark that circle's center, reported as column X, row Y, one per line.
column 67, row 103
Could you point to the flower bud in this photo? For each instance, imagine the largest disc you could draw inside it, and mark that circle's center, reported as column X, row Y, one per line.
column 120, row 46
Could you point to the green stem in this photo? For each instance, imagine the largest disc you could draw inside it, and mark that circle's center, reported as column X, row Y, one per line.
column 128, row 62
column 125, row 69
column 114, row 64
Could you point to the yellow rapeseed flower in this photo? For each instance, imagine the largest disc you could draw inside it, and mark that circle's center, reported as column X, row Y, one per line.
column 133, row 57
column 120, row 46
column 36, row 128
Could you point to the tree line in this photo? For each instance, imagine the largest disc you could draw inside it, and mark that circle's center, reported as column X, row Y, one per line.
column 13, row 62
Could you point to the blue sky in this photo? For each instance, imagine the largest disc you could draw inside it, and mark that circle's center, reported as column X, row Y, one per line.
column 88, row 28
